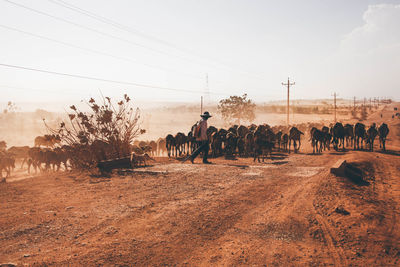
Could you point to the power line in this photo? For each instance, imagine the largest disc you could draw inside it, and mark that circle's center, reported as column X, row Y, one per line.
column 65, row 91
column 107, row 35
column 114, row 24
column 105, row 80
column 91, row 29
column 102, row 33
column 136, row 32
column 96, row 51
column 115, row 37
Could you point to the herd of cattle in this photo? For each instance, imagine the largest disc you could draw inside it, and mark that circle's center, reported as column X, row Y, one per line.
column 34, row 157
column 255, row 141
column 259, row 140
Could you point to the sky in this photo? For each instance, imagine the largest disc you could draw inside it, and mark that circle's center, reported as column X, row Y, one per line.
column 177, row 50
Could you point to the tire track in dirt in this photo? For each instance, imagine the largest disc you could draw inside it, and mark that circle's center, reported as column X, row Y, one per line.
column 337, row 253
column 387, row 168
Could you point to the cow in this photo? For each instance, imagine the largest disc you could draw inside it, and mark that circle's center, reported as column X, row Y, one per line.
column 242, row 131
column 317, row 139
column 180, row 142
column 372, row 132
column 161, row 148
column 153, row 146
column 216, row 144
column 349, row 134
column 327, row 138
column 241, row 146
column 36, row 157
column 294, row 135
column 170, row 144
column 19, row 152
column 359, row 133
column 190, row 142
column 230, row 143
column 262, row 146
column 142, row 144
column 338, row 135
column 140, row 160
column 210, row 131
column 249, row 143
column 7, row 163
column 285, row 141
column 383, row 131
column 47, row 140
column 278, row 137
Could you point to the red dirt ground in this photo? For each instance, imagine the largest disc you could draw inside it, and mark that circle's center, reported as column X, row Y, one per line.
column 284, row 212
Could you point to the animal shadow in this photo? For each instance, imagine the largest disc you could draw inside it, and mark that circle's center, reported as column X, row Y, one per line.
column 389, row 152
column 279, row 162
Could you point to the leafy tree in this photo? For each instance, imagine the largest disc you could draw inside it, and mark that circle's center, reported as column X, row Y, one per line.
column 237, row 109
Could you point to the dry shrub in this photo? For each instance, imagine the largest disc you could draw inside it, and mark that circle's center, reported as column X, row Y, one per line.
column 105, row 132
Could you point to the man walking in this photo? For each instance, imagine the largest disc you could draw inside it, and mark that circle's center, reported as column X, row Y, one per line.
column 201, row 138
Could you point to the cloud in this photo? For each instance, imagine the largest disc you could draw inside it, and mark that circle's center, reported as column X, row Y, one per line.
column 381, row 28
column 367, row 62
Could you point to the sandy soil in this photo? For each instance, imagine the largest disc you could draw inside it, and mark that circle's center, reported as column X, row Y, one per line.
column 287, row 211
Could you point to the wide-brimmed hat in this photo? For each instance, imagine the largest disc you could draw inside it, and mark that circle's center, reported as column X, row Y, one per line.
column 206, row 114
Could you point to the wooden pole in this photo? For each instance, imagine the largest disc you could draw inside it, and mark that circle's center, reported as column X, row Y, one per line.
column 201, row 105
column 288, row 84
column 334, row 103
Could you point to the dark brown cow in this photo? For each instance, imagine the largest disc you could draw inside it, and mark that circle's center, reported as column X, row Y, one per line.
column 216, row 144
column 349, row 134
column 372, row 132
column 230, row 143
column 383, row 131
column 278, row 137
column 242, row 131
column 317, row 139
column 359, row 135
column 170, row 144
column 249, row 143
column 327, row 138
column 241, row 146
column 294, row 135
column 338, row 135
column 180, row 144
column 285, row 141
column 262, row 146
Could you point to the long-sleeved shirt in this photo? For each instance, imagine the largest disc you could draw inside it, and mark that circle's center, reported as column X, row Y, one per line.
column 203, row 130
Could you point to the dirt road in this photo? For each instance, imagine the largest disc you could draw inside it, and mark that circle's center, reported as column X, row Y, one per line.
column 284, row 212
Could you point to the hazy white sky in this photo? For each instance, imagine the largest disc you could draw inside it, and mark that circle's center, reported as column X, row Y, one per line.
column 351, row 47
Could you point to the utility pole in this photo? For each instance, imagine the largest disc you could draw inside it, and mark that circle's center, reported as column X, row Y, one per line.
column 288, row 84
column 354, row 103
column 334, row 103
column 201, row 105
column 370, row 104
column 207, row 97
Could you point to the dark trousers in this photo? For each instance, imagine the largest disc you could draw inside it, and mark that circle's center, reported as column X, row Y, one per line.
column 203, row 146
